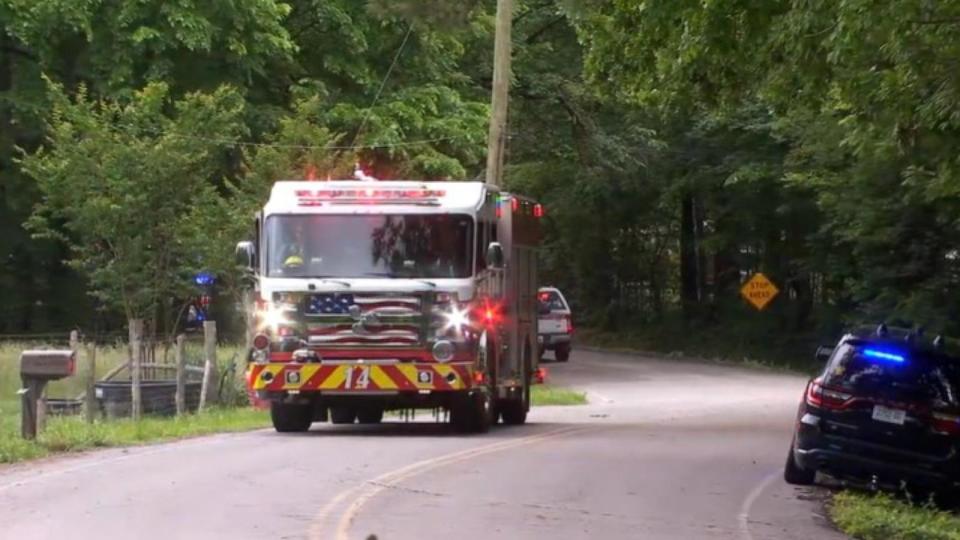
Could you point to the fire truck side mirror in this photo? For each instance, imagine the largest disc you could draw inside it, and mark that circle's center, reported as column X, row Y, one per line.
column 495, row 256
column 246, row 255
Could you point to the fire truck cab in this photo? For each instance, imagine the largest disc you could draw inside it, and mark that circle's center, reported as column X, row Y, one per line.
column 374, row 296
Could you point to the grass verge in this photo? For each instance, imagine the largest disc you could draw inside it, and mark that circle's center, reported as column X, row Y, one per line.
column 542, row 394
column 70, row 434
column 882, row 517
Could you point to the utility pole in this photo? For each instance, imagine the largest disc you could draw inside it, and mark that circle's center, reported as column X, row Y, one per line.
column 501, row 92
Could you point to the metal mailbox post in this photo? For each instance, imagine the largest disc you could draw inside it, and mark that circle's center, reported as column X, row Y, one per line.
column 37, row 368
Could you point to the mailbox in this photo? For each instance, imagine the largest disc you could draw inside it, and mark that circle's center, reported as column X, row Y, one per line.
column 47, row 365
column 37, row 368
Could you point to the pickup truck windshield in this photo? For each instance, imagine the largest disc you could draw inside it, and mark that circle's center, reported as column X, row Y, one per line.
column 364, row 246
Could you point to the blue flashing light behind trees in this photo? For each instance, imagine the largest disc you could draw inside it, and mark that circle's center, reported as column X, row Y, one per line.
column 204, row 279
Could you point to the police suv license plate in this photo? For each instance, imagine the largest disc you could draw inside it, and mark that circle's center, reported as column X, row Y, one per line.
column 888, row 415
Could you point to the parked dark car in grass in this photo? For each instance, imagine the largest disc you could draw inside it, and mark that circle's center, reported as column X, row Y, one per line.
column 885, row 410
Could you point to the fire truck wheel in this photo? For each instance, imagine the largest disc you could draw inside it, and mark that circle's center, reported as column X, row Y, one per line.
column 289, row 418
column 563, row 353
column 370, row 416
column 342, row 415
column 474, row 414
column 514, row 411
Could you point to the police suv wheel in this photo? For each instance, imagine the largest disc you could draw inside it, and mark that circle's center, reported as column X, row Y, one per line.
column 793, row 474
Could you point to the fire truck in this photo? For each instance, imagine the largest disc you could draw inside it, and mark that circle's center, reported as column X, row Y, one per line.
column 373, row 296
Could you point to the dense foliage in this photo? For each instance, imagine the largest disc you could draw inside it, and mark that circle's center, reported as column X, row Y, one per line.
column 678, row 146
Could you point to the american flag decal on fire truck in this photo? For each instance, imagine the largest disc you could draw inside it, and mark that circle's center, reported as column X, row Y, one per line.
column 362, row 320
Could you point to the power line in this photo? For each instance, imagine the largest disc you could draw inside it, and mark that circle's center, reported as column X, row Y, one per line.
column 232, row 142
column 229, row 142
column 383, row 83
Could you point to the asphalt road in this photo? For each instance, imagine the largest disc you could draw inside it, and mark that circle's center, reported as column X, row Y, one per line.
column 665, row 450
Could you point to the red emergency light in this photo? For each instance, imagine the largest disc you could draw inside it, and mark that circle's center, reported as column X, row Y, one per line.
column 487, row 314
column 538, row 210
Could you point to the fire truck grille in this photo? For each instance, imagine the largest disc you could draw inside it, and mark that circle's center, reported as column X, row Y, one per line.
column 363, row 320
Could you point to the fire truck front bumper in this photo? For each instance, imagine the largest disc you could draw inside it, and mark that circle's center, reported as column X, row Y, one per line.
column 359, row 378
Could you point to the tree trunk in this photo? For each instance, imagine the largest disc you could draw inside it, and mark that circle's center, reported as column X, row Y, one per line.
column 136, row 358
column 804, row 301
column 689, row 269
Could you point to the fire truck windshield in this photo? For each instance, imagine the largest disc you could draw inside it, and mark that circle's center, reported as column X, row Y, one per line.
column 364, row 246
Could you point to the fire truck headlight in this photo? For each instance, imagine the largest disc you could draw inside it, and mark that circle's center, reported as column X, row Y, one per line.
column 276, row 315
column 457, row 319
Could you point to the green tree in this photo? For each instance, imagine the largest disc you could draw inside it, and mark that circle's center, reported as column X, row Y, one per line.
column 862, row 97
column 123, row 183
column 387, row 78
column 111, row 48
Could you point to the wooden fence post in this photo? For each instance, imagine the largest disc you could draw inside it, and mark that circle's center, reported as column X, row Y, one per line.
column 136, row 348
column 90, row 399
column 42, row 393
column 181, row 375
column 32, row 405
column 208, row 391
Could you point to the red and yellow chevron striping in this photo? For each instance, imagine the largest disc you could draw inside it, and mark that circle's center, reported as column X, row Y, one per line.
column 359, row 377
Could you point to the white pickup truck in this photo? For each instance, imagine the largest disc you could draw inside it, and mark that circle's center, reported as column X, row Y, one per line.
column 555, row 323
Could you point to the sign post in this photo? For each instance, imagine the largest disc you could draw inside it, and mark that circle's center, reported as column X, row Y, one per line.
column 759, row 291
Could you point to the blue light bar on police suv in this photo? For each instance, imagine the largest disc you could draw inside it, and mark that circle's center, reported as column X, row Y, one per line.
column 883, row 355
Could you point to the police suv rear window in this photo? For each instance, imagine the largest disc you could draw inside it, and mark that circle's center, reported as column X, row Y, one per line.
column 898, row 373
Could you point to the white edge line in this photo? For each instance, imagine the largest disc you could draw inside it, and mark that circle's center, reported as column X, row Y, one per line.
column 744, row 518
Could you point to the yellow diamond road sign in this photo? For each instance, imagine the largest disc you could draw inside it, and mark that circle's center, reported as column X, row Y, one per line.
column 759, row 291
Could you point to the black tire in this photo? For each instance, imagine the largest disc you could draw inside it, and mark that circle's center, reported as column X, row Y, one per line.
column 947, row 497
column 563, row 353
column 370, row 416
column 342, row 415
column 289, row 418
column 793, row 474
column 474, row 414
column 514, row 412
